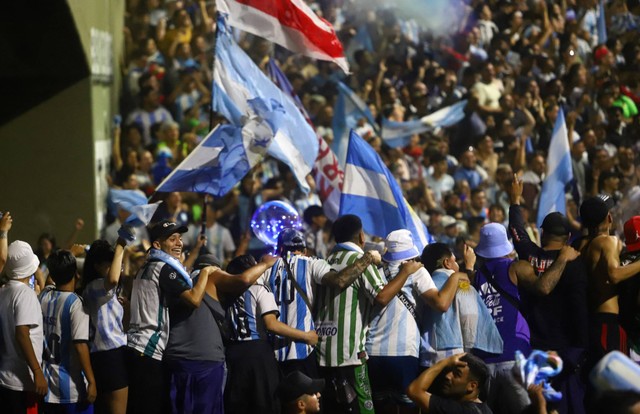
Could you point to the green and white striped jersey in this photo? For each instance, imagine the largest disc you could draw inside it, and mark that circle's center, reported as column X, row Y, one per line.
column 343, row 316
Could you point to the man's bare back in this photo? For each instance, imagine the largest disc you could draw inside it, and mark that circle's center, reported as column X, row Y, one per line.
column 602, row 254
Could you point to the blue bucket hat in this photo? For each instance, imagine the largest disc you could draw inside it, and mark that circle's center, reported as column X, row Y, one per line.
column 493, row 241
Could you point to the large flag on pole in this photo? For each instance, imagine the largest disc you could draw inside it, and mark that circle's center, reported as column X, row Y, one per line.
column 221, row 160
column 328, row 174
column 289, row 23
column 371, row 193
column 559, row 172
column 242, row 91
column 348, row 111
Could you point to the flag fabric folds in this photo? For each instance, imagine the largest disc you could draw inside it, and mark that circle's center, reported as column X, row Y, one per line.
column 242, row 91
column 221, row 160
column 398, row 134
column 348, row 112
column 559, row 172
column 371, row 193
column 133, row 201
column 328, row 174
column 289, row 23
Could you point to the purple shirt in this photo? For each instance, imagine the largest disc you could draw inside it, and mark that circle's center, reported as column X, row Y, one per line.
column 511, row 324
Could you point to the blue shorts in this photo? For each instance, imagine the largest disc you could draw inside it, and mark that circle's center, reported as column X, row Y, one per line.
column 72, row 408
column 390, row 377
column 196, row 386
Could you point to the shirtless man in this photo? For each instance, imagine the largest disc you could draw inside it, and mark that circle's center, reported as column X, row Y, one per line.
column 601, row 253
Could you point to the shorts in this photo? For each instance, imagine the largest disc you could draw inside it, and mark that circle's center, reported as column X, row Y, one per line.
column 390, row 376
column 355, row 376
column 196, row 386
column 22, row 402
column 606, row 335
column 110, row 369
column 148, row 384
column 71, row 408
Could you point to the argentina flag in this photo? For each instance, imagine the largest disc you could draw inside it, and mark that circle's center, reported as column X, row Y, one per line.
column 220, row 161
column 239, row 86
column 348, row 112
column 559, row 172
column 370, row 192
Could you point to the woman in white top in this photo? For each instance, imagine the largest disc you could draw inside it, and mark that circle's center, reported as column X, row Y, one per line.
column 100, row 279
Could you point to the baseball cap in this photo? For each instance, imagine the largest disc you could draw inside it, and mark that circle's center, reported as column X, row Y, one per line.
column 632, row 234
column 399, row 244
column 594, row 210
column 164, row 229
column 556, row 224
column 21, row 261
column 291, row 239
column 296, row 384
column 447, row 221
column 493, row 241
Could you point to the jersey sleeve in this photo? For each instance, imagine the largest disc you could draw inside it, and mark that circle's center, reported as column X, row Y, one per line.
column 319, row 268
column 519, row 235
column 422, row 281
column 372, row 282
column 27, row 310
column 265, row 301
column 79, row 322
column 172, row 282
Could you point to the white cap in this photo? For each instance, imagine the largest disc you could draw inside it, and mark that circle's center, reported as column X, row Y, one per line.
column 21, row 262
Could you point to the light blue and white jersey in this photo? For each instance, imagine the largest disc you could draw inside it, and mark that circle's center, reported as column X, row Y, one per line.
column 65, row 321
column 247, row 311
column 394, row 330
column 186, row 101
column 308, row 272
column 106, row 313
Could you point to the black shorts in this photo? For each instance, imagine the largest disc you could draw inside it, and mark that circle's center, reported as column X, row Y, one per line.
column 110, row 369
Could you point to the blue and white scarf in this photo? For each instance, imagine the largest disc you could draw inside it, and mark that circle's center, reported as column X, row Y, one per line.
column 156, row 254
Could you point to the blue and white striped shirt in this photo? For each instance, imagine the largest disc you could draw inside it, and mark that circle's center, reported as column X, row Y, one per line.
column 148, row 119
column 294, row 312
column 247, row 311
column 65, row 321
column 106, row 312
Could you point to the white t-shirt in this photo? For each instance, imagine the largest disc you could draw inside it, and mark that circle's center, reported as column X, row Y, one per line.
column 19, row 306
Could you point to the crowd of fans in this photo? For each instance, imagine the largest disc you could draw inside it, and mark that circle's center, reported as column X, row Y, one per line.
column 476, row 185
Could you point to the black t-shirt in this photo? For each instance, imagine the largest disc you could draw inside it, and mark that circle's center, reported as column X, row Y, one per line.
column 438, row 405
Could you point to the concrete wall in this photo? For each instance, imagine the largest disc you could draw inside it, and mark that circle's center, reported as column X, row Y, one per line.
column 53, row 157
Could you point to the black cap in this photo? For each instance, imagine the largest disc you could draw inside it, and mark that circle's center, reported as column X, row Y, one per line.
column 556, row 224
column 311, row 212
column 594, row 210
column 164, row 229
column 296, row 384
column 205, row 260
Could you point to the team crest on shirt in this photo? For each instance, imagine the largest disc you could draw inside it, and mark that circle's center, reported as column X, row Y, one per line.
column 173, row 275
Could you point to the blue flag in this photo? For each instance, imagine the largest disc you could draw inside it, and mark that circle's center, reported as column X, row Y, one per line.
column 602, row 24
column 349, row 110
column 240, row 89
column 559, row 172
column 398, row 134
column 133, row 201
column 220, row 161
column 371, row 193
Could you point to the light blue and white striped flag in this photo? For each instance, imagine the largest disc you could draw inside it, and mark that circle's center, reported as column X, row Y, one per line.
column 348, row 111
column 602, row 24
column 371, row 193
column 559, row 172
column 220, row 161
column 239, row 85
column 398, row 134
column 135, row 202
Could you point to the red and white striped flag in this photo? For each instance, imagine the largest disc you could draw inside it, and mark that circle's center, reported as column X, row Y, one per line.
column 289, row 23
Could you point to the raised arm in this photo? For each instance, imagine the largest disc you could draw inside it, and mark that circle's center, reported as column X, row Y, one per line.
column 193, row 297
column 544, row 284
column 5, row 225
column 116, row 266
column 418, row 390
column 349, row 274
column 236, row 284
column 392, row 288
